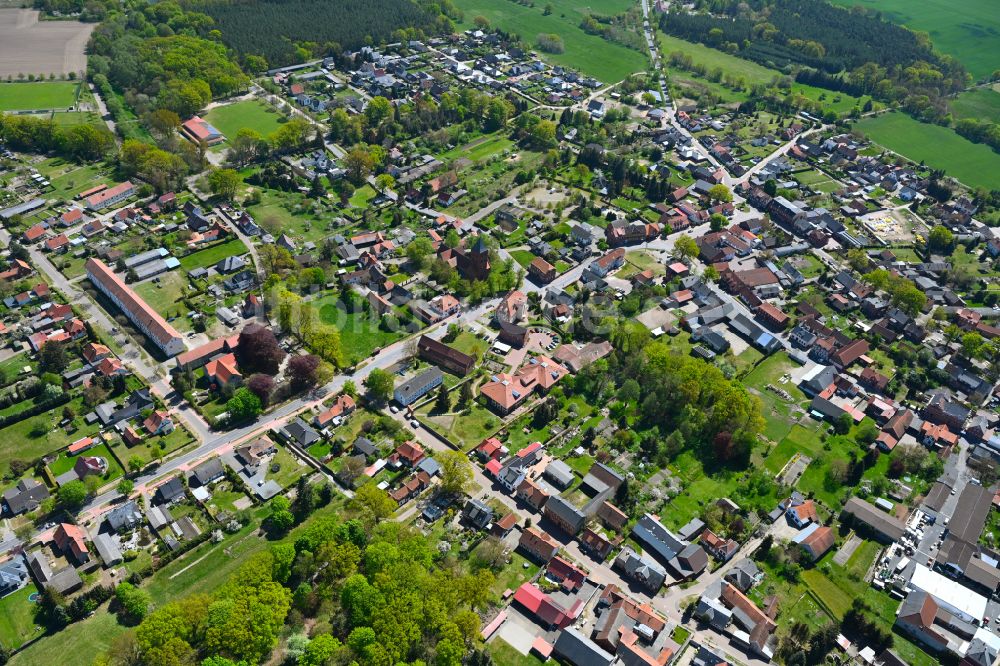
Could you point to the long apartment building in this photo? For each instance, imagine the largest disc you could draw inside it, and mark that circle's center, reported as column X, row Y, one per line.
column 143, row 317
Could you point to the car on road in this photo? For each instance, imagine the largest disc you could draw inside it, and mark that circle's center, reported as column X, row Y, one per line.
column 414, row 423
column 394, row 409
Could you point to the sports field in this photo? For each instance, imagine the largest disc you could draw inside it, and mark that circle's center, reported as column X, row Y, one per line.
column 968, row 30
column 974, row 164
column 750, row 71
column 980, row 104
column 595, row 56
column 48, row 95
column 231, row 118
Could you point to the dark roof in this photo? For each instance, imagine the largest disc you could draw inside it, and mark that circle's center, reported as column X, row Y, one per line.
column 208, row 471
column 301, row 432
column 365, row 446
column 579, row 650
column 890, row 526
column 652, row 534
column 970, row 514
column 414, row 386
column 170, row 490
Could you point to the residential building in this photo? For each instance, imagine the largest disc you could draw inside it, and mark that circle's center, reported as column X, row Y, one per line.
column 538, row 545
column 417, row 387
column 145, row 318
column 449, row 358
column 505, row 392
column 111, row 196
column 565, row 515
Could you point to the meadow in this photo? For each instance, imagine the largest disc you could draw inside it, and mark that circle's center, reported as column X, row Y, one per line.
column 231, row 118
column 979, row 104
column 38, row 95
column 751, row 72
column 974, row 164
column 968, row 30
column 606, row 61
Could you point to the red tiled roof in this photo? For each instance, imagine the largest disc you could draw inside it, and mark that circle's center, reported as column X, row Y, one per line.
column 157, row 326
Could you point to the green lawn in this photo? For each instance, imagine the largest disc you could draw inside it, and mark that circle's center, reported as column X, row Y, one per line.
column 360, row 333
column 12, row 367
column 17, row 618
column 362, row 196
column 47, row 95
column 968, row 30
column 979, row 104
column 479, row 149
column 70, row 179
column 231, row 118
column 64, row 463
column 974, row 164
column 71, row 118
column 750, row 71
column 40, row 435
column 523, row 257
column 609, row 62
column 464, row 431
column 164, row 296
column 212, row 255
column 504, row 653
column 88, row 638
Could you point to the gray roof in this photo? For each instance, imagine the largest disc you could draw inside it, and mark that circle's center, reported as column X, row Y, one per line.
column 654, row 535
column 13, row 574
column 65, row 581
column 429, row 465
column 365, row 446
column 889, row 526
column 40, row 566
column 579, row 650
column 170, row 490
column 415, row 386
column 107, row 548
column 559, row 473
column 124, row 516
column 301, row 432
column 642, row 568
column 208, row 471
column 566, row 511
column 25, row 496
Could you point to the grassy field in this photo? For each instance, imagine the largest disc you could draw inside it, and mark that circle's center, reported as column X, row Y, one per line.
column 163, row 296
column 592, row 55
column 213, row 255
column 750, row 71
column 975, row 164
column 360, row 334
column 17, row 618
column 47, row 95
column 479, row 149
column 88, row 638
column 979, row 104
column 968, row 30
column 465, row 431
column 231, row 118
column 39, row 435
column 504, row 653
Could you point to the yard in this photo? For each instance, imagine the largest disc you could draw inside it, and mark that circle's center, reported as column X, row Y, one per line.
column 164, row 296
column 975, row 164
column 64, row 463
column 147, row 449
column 465, row 431
column 360, row 333
column 504, row 653
column 17, row 618
column 38, row 95
column 251, row 114
column 479, row 149
column 40, row 435
column 213, row 255
column 88, row 637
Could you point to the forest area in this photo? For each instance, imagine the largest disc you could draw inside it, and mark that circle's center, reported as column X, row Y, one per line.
column 833, row 47
column 285, row 32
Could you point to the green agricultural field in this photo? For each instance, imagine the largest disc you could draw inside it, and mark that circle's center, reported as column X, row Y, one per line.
column 72, row 118
column 979, row 104
column 47, row 95
column 607, row 61
column 968, row 30
column 974, row 164
column 231, row 118
column 213, row 255
column 750, row 71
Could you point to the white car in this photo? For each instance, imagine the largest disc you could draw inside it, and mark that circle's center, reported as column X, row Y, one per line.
column 414, row 423
column 394, row 409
